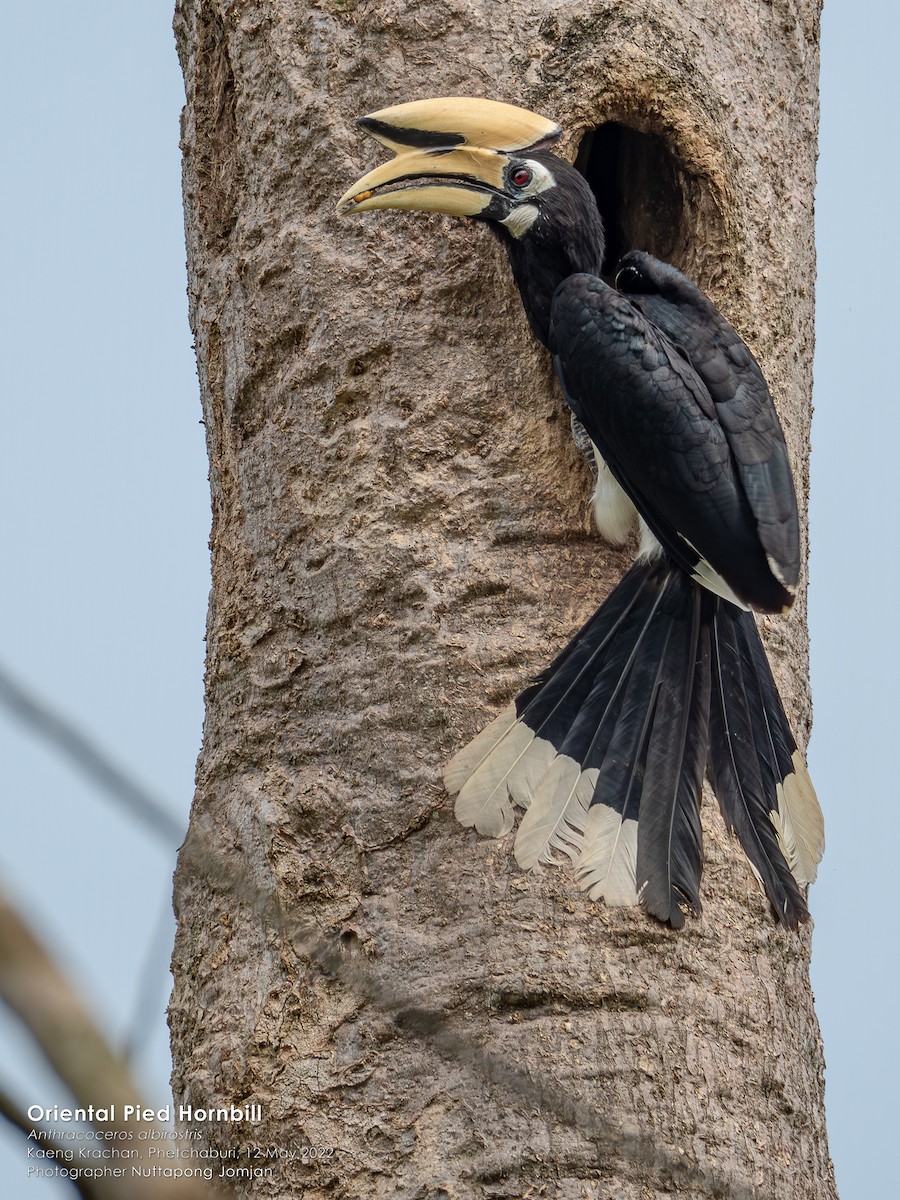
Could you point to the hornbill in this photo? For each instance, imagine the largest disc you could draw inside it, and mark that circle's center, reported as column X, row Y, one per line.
column 607, row 748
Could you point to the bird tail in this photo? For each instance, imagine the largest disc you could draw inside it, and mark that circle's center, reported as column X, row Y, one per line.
column 757, row 772
column 606, row 752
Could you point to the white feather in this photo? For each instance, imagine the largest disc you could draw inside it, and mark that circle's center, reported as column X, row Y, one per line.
column 799, row 823
column 467, row 760
column 491, row 815
column 526, row 773
column 521, row 219
column 483, row 800
column 613, row 511
column 709, row 578
column 777, row 570
column 607, row 867
column 555, row 818
column 704, row 574
column 649, row 547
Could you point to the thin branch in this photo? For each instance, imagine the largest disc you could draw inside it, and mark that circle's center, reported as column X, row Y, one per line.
column 151, row 989
column 65, row 737
column 91, row 759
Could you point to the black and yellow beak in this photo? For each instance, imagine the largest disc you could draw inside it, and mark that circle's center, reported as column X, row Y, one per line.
column 451, row 154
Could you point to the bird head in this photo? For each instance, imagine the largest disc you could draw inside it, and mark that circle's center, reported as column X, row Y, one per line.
column 488, row 160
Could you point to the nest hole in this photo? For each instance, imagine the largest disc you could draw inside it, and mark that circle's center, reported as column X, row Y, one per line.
column 641, row 189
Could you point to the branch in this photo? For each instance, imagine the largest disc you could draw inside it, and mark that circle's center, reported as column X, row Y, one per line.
column 78, row 747
column 56, row 1017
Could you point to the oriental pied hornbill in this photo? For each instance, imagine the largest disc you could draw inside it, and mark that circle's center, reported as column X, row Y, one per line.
column 606, row 750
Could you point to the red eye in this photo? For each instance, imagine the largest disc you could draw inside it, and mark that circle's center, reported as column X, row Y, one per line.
column 521, row 176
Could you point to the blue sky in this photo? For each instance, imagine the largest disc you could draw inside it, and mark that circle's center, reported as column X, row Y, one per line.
column 105, row 524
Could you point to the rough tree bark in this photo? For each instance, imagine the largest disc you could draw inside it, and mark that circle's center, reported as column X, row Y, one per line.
column 399, row 541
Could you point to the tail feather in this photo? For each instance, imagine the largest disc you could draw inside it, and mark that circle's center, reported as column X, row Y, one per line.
column 670, row 847
column 758, row 774
column 558, row 803
column 478, row 773
column 555, row 819
column 606, row 751
column 615, row 764
column 799, row 822
column 510, row 757
column 607, row 867
column 469, row 759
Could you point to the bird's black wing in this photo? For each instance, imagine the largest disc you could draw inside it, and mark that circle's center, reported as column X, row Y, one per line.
column 657, row 426
column 739, row 392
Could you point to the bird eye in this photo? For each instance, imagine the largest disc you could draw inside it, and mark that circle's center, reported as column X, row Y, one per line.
column 521, row 177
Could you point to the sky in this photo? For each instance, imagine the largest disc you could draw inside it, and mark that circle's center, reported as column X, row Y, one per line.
column 106, row 517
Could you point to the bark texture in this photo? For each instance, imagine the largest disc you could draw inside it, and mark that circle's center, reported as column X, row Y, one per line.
column 399, row 541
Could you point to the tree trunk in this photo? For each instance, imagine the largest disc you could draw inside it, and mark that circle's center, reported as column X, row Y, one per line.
column 399, row 542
